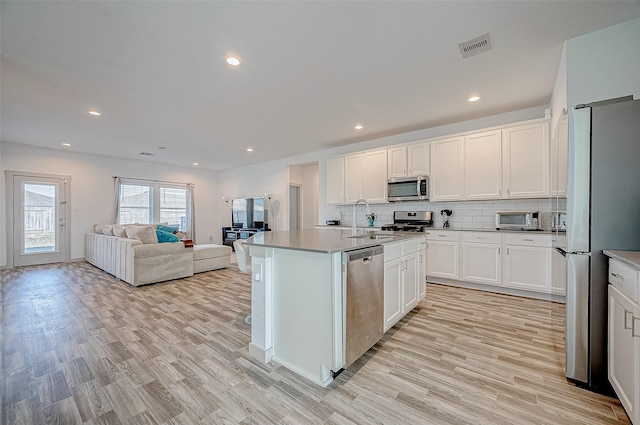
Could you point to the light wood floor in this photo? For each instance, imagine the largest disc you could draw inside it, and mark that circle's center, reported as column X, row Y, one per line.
column 80, row 346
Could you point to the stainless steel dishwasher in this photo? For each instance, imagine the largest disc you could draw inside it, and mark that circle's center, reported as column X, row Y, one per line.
column 364, row 300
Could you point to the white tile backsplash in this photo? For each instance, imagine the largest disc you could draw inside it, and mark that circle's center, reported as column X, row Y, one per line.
column 466, row 215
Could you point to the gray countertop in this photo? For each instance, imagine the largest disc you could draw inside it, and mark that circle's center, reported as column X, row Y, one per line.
column 631, row 258
column 320, row 240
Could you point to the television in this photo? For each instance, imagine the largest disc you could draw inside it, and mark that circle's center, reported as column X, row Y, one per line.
column 249, row 213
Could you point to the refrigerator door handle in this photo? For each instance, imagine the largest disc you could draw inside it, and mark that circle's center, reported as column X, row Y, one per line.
column 577, row 307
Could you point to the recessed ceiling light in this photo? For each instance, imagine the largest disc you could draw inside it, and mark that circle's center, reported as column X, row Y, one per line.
column 66, row 144
column 474, row 98
column 162, row 147
column 94, row 113
column 233, row 61
column 195, row 163
column 249, row 149
column 359, row 127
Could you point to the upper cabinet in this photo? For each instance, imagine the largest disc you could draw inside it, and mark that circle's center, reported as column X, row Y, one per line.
column 361, row 175
column 525, row 161
column 559, row 157
column 335, row 181
column 447, row 159
column 483, row 165
column 405, row 161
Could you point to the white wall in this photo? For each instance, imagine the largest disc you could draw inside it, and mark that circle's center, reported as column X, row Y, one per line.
column 604, row 64
column 92, row 188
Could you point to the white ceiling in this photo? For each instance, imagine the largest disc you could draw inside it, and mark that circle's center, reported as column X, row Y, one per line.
column 310, row 71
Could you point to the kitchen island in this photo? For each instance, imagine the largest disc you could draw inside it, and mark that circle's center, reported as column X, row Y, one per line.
column 298, row 298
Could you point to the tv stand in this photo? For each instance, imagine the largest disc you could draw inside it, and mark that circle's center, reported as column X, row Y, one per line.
column 232, row 234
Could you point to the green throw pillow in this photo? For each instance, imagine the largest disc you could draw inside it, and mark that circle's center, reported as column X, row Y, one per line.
column 167, row 229
column 166, row 236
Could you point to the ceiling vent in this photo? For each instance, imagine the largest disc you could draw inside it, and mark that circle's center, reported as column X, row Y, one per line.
column 147, row 154
column 475, row 46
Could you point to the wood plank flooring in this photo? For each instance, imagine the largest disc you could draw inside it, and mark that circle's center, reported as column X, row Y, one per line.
column 81, row 347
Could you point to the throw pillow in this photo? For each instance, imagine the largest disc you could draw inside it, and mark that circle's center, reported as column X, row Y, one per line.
column 119, row 230
column 166, row 236
column 168, row 229
column 97, row 228
column 107, row 229
column 145, row 234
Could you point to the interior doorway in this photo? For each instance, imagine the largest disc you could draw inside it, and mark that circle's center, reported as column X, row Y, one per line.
column 38, row 229
column 294, row 206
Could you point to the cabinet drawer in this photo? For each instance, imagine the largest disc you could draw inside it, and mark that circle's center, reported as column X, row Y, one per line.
column 527, row 240
column 392, row 251
column 443, row 235
column 624, row 278
column 481, row 237
column 411, row 246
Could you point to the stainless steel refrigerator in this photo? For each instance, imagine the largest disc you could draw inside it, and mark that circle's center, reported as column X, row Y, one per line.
column 603, row 212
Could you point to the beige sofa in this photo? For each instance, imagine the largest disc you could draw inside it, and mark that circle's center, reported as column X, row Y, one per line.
column 138, row 263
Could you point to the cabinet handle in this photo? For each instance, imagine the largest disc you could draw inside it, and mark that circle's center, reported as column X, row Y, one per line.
column 617, row 276
column 442, row 236
column 507, row 251
column 626, row 315
column 480, row 237
column 420, row 259
column 528, row 240
column 508, row 192
column 498, row 250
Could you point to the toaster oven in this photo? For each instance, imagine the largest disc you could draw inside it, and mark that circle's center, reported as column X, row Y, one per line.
column 518, row 220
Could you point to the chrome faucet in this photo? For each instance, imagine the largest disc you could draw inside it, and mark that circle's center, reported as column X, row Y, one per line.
column 354, row 229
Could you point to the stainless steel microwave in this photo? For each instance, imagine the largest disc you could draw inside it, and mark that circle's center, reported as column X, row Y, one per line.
column 408, row 189
column 518, row 220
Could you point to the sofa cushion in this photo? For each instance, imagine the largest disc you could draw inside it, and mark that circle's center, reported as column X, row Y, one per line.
column 120, row 230
column 166, row 236
column 146, row 234
column 107, row 229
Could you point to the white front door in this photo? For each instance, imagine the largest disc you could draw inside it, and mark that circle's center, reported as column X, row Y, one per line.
column 39, row 220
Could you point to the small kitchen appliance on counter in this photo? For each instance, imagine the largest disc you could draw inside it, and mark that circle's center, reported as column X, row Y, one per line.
column 518, row 220
column 410, row 221
column 333, row 222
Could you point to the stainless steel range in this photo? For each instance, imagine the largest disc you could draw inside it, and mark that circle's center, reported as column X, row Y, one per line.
column 410, row 221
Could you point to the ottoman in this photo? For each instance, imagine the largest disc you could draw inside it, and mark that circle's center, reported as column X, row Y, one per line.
column 210, row 257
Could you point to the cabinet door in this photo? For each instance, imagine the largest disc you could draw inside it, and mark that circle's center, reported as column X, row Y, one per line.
column 442, row 259
column 409, row 282
column 422, row 270
column 392, row 292
column 374, row 176
column 352, row 178
column 335, row 181
column 418, row 159
column 559, row 158
column 525, row 161
column 397, row 162
column 527, row 268
column 483, row 165
column 624, row 351
column 481, row 263
column 446, row 170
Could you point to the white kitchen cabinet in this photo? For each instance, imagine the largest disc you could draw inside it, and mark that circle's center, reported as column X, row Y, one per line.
column 559, row 158
column 412, row 160
column 624, row 351
column 374, row 176
column 422, row 269
column 527, row 262
column 352, row 178
column 443, row 248
column 446, row 180
column 335, row 181
column 483, row 165
column 401, row 280
column 525, row 161
column 481, row 258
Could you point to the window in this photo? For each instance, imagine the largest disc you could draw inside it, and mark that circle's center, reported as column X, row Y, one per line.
column 142, row 201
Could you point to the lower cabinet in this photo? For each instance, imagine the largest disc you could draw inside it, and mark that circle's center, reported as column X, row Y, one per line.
column 527, row 262
column 443, row 249
column 401, row 280
column 481, row 258
column 624, row 351
column 422, row 269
